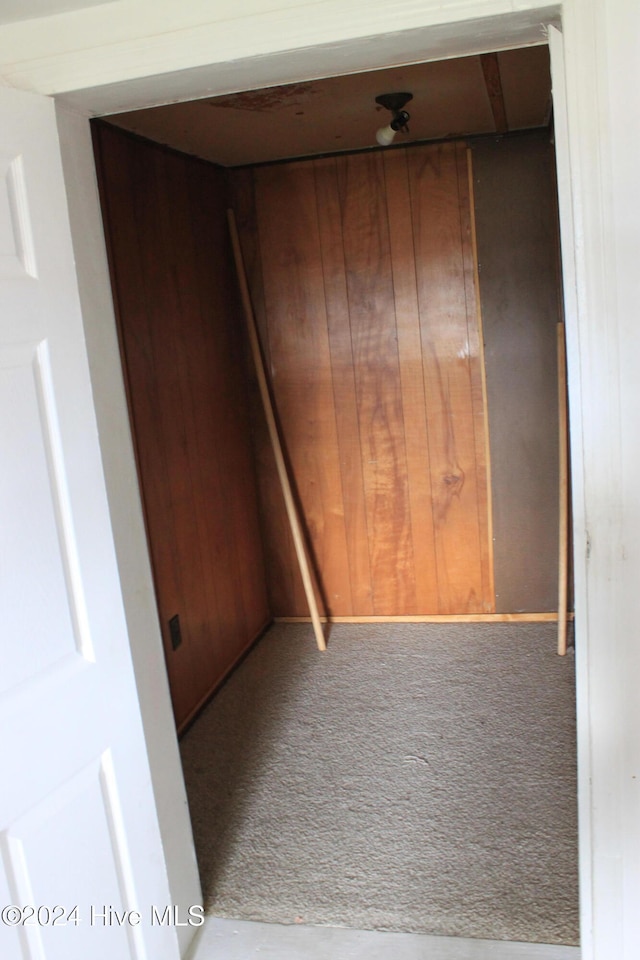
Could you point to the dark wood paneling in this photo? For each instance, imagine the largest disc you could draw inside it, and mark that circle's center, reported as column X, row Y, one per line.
column 519, row 286
column 344, row 384
column 412, row 376
column 180, row 333
column 363, row 281
column 477, row 376
column 366, row 297
column 374, row 339
column 300, row 362
column 450, row 362
column 284, row 578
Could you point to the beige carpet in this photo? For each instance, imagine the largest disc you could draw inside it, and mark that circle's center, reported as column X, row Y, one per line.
column 416, row 778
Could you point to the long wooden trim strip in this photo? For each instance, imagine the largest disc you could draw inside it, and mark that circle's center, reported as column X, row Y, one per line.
column 563, row 489
column 439, row 618
column 285, row 483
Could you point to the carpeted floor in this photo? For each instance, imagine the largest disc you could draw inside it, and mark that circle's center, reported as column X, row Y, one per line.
column 416, row 778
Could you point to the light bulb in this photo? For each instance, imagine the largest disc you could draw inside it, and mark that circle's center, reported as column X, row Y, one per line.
column 385, row 135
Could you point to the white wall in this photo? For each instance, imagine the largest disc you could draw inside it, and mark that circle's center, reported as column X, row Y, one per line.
column 102, row 59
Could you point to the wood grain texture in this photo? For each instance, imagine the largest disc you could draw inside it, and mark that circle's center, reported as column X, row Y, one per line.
column 300, row 364
column 293, row 515
column 344, row 383
column 475, row 336
column 116, row 165
column 372, row 319
column 414, row 408
column 367, row 289
column 450, row 356
column 283, row 579
column 180, row 338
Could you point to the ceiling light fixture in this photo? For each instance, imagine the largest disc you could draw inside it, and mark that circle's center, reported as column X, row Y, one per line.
column 395, row 103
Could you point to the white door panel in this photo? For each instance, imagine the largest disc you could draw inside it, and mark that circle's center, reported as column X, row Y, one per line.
column 17, row 258
column 78, row 825
column 34, row 583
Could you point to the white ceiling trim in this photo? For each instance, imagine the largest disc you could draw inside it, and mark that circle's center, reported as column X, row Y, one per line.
column 311, row 63
column 247, row 49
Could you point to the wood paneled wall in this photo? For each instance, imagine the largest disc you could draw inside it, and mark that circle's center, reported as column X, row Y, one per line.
column 364, row 283
column 362, row 276
column 176, row 303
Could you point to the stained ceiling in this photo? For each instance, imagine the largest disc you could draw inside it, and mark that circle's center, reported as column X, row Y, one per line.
column 484, row 94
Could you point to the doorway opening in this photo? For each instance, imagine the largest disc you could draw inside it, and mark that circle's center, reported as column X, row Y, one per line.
column 176, row 639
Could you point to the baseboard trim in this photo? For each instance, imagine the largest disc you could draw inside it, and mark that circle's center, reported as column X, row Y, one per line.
column 438, row 618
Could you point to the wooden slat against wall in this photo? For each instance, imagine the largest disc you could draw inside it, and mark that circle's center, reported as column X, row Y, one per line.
column 563, row 493
column 283, row 576
column 476, row 367
column 292, row 508
column 370, row 312
column 168, row 246
column 449, row 359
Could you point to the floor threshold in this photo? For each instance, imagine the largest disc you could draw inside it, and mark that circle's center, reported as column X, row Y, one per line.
column 224, row 939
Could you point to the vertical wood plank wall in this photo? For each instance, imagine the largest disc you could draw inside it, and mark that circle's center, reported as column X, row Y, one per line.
column 362, row 276
column 176, row 303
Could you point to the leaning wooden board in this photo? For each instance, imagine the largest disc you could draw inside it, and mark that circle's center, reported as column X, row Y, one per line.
column 297, row 532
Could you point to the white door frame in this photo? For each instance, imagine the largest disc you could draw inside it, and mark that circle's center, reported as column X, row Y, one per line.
column 125, row 508
column 593, row 418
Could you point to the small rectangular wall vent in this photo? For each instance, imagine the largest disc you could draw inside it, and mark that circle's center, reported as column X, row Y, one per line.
column 174, row 632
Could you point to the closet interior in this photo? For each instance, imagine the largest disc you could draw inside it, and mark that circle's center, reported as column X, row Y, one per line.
column 408, row 301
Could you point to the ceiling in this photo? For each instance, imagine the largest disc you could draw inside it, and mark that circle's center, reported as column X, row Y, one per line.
column 484, row 94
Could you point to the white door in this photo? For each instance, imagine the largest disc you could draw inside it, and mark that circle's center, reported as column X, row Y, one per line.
column 82, row 872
